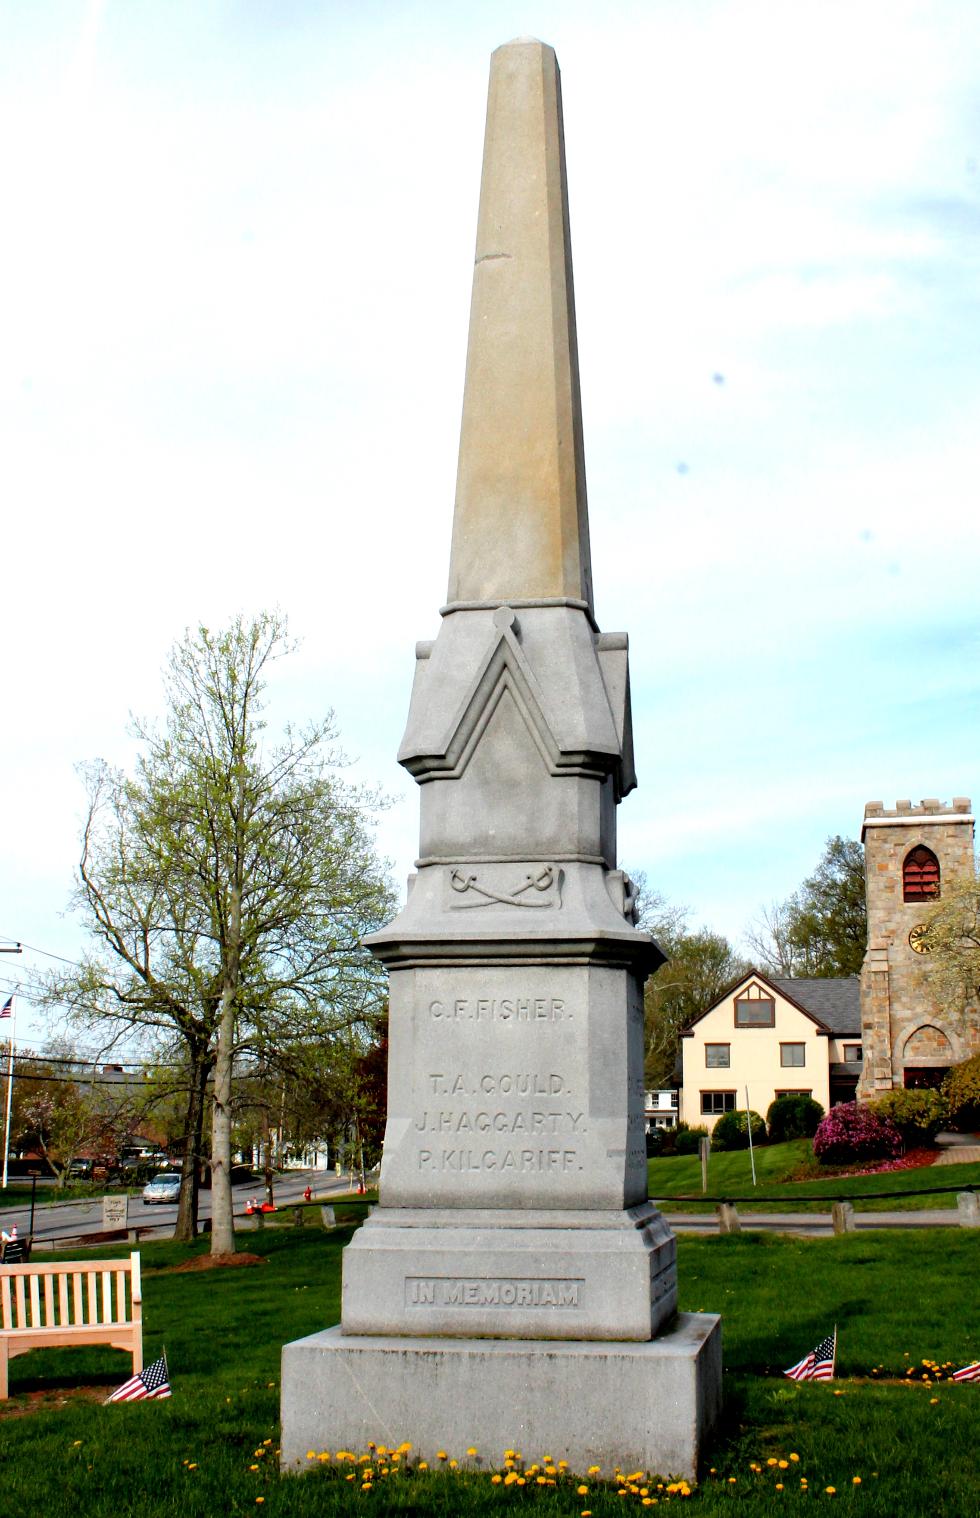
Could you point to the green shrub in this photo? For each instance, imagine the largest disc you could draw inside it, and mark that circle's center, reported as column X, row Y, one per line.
column 686, row 1139
column 918, row 1115
column 732, row 1131
column 792, row 1117
column 961, row 1092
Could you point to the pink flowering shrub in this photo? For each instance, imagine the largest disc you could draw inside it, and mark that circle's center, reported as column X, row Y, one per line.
column 851, row 1132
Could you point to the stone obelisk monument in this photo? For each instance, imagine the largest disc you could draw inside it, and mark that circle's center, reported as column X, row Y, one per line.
column 515, row 1287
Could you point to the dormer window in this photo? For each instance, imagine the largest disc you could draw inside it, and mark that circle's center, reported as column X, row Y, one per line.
column 920, row 875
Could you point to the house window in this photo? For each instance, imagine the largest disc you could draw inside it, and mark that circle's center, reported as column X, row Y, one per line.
column 717, row 1101
column 717, row 1056
column 920, row 875
column 794, row 1093
column 792, row 1054
column 760, row 1012
column 853, row 1054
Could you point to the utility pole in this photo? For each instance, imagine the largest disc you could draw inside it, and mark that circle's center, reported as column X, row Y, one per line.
column 4, row 949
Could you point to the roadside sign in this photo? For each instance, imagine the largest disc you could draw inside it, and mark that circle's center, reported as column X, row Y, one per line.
column 115, row 1212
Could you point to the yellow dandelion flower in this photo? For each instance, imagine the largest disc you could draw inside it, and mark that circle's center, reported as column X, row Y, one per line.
column 423, row 1465
column 772, row 1460
column 324, row 1456
column 510, row 1478
column 581, row 1491
column 731, row 1481
column 253, row 1467
column 508, row 1454
column 404, row 1449
column 593, row 1470
column 933, row 1401
column 521, row 1481
column 795, row 1458
column 441, row 1454
column 75, row 1443
column 779, row 1486
column 266, row 1441
column 563, row 1465
column 831, row 1491
column 471, row 1451
column 311, row 1454
column 541, row 1480
column 192, row 1466
column 855, row 1480
column 783, row 1464
column 454, row 1465
column 586, row 1512
column 496, row 1479
column 365, row 1486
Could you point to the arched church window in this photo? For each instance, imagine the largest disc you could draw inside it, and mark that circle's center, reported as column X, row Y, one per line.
column 920, row 875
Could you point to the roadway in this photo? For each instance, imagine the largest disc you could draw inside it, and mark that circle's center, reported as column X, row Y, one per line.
column 58, row 1221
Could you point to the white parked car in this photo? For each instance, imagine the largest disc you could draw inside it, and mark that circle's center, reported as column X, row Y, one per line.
column 166, row 1188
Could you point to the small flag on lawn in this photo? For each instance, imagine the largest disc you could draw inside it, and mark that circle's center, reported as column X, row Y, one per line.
column 7, row 1009
column 154, row 1381
column 968, row 1373
column 818, row 1365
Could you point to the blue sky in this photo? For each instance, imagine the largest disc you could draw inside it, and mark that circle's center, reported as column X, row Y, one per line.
column 238, row 253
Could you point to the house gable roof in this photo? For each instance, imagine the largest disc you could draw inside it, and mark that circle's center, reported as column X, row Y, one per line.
column 834, row 1005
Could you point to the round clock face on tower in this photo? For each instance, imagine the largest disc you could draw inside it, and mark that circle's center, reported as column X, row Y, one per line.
column 919, row 939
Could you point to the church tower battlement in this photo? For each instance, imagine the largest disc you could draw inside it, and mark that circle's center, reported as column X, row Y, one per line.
column 911, row 854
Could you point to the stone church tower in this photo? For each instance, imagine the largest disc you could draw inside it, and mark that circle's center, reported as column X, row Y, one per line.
column 911, row 855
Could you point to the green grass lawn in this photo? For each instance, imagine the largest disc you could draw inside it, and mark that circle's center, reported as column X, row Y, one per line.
column 210, row 1450
column 731, row 1175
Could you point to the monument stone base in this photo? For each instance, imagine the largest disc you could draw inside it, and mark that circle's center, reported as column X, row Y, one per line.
column 509, row 1274
column 648, row 1405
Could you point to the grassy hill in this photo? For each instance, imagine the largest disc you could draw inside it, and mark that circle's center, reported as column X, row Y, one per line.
column 730, row 1175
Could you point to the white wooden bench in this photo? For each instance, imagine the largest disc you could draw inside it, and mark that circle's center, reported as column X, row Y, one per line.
column 54, row 1306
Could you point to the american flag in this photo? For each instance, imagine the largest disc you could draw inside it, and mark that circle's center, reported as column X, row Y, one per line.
column 968, row 1373
column 818, row 1365
column 8, row 1007
column 154, row 1381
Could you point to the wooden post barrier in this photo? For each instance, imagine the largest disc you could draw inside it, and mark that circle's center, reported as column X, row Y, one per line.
column 968, row 1208
column 842, row 1217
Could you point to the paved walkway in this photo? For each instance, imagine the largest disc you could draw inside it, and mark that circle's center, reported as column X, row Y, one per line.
column 960, row 1154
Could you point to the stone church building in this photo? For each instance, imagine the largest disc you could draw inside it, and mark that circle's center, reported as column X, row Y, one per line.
column 837, row 1039
column 911, row 855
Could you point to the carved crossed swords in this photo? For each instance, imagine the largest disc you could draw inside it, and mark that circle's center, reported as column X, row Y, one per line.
column 542, row 881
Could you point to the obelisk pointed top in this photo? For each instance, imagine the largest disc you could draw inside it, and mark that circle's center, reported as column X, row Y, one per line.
column 521, row 528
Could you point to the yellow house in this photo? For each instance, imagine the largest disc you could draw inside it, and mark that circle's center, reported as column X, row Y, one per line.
column 771, row 1038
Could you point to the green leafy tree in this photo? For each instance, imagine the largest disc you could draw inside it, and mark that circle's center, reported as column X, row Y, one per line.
column 227, row 884
column 950, row 964
column 700, row 965
column 822, row 929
